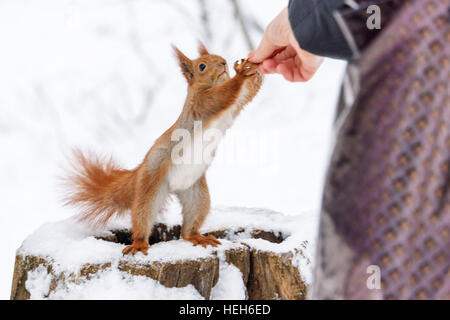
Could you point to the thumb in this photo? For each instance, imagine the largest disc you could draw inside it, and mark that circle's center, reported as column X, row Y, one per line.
column 275, row 38
column 264, row 50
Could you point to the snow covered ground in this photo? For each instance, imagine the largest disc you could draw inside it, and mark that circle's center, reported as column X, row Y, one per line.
column 100, row 75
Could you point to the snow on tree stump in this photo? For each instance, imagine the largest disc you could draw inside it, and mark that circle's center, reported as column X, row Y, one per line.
column 62, row 257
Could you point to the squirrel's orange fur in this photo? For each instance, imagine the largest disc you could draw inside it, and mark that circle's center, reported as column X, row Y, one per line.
column 102, row 189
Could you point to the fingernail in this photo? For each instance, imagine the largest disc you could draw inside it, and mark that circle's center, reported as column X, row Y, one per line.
column 252, row 59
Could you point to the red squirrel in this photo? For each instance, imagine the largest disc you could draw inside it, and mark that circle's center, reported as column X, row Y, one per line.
column 102, row 189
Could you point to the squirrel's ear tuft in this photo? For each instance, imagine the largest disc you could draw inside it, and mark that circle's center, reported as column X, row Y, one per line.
column 185, row 64
column 202, row 49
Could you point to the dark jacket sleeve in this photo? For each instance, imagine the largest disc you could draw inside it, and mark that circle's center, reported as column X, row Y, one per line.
column 316, row 29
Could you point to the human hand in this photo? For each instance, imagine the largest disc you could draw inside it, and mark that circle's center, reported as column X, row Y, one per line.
column 280, row 53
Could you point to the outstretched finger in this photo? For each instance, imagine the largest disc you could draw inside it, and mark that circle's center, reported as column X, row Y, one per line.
column 285, row 71
column 269, row 66
column 287, row 53
column 265, row 50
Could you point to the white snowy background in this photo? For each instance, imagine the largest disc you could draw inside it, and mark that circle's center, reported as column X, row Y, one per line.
column 100, row 75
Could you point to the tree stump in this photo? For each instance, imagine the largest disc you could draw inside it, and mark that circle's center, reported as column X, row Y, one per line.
column 267, row 274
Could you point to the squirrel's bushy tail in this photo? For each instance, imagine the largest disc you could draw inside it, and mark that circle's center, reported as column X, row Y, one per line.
column 99, row 188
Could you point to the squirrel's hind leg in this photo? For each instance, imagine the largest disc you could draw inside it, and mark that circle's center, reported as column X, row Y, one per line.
column 196, row 204
column 151, row 193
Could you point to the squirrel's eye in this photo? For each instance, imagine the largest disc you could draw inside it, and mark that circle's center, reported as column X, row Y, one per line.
column 202, row 67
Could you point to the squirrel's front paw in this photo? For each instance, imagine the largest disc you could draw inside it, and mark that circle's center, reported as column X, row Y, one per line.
column 245, row 67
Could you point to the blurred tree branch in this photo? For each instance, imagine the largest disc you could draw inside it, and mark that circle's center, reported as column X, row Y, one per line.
column 205, row 20
column 241, row 20
column 136, row 42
